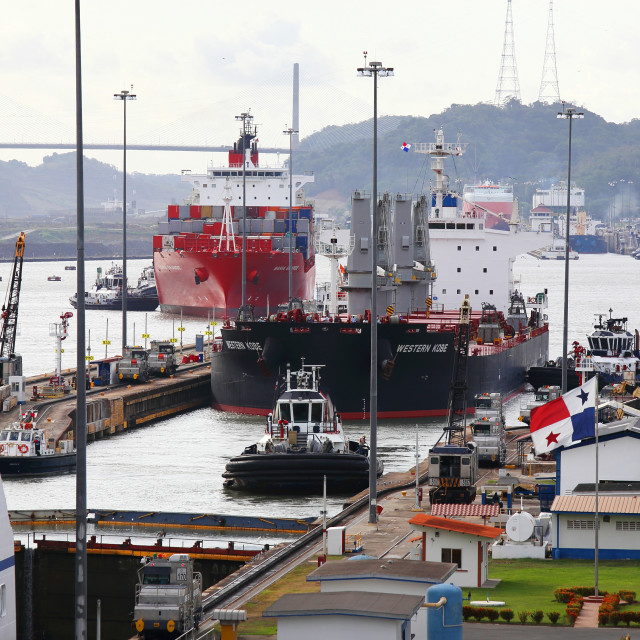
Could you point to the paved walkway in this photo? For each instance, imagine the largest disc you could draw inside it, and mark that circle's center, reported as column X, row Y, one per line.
column 588, row 617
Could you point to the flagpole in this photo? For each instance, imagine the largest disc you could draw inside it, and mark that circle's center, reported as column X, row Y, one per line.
column 597, row 518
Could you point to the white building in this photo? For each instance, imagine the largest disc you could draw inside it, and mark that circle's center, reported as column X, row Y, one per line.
column 618, row 527
column 394, row 576
column 345, row 615
column 459, row 542
column 618, row 455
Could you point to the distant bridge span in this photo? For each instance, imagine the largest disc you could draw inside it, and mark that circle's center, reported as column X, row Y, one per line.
column 130, row 147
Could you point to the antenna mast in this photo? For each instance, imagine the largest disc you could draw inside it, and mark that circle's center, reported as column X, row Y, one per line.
column 508, row 86
column 549, row 90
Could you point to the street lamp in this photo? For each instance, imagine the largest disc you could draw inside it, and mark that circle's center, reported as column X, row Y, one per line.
column 290, row 132
column 246, row 118
column 374, row 69
column 569, row 114
column 124, row 96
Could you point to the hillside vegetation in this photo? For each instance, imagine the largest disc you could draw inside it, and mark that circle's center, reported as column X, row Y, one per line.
column 526, row 145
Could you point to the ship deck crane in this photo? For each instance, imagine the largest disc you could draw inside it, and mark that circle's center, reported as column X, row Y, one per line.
column 10, row 316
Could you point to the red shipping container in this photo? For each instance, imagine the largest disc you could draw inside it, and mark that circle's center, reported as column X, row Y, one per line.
column 173, row 211
column 195, row 211
column 157, row 243
column 178, row 242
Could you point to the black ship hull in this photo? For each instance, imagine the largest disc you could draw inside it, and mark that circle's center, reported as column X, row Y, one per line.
column 297, row 473
column 23, row 466
column 415, row 366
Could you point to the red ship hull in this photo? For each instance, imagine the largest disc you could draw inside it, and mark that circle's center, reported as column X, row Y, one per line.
column 199, row 282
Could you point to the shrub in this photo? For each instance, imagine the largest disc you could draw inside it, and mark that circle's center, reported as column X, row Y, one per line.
column 537, row 616
column 467, row 612
column 614, row 618
column 522, row 616
column 553, row 616
column 507, row 614
column 493, row 614
column 479, row 613
column 627, row 596
column 627, row 617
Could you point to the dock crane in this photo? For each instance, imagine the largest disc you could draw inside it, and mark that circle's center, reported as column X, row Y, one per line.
column 10, row 364
column 453, row 462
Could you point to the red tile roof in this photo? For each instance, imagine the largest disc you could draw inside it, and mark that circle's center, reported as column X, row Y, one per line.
column 424, row 520
column 476, row 510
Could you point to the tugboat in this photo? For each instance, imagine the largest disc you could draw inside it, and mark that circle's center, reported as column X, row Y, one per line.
column 612, row 353
column 303, row 442
column 106, row 293
column 26, row 451
column 54, row 278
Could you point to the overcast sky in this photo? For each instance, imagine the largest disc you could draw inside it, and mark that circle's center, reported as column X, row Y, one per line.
column 196, row 65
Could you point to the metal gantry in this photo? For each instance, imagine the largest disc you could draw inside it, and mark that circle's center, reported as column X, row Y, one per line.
column 508, row 87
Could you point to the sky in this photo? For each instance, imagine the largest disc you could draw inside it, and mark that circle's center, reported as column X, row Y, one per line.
column 195, row 65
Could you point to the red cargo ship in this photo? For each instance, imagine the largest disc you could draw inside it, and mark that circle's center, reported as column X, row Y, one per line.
column 197, row 256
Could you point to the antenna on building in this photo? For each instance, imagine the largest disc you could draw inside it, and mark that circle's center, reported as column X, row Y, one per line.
column 549, row 90
column 508, row 86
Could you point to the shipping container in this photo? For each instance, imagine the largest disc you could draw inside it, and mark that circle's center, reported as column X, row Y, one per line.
column 184, row 212
column 303, row 226
column 197, row 226
column 178, row 242
column 195, row 211
column 207, row 211
column 270, row 214
column 168, row 243
column 279, row 226
column 276, row 243
column 163, row 227
column 157, row 243
column 175, row 226
column 173, row 211
column 268, row 226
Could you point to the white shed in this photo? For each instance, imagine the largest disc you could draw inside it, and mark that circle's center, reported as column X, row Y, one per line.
column 344, row 615
column 463, row 543
column 395, row 576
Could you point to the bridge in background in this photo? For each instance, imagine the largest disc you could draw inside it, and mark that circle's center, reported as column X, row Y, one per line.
column 130, row 147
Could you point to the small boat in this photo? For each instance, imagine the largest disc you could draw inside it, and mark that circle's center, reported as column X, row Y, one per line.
column 70, row 267
column 25, row 450
column 54, row 278
column 303, row 443
column 612, row 353
column 106, row 293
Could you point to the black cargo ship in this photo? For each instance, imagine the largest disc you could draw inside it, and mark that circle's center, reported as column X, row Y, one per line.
column 415, row 363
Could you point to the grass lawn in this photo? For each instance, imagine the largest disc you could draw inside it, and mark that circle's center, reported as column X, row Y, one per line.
column 294, row 582
column 527, row 585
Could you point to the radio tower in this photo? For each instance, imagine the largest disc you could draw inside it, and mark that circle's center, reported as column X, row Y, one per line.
column 549, row 90
column 508, row 86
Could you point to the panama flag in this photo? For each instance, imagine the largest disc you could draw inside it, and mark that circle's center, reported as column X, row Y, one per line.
column 406, row 146
column 565, row 420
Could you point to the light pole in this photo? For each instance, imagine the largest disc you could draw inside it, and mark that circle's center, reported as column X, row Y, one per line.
column 374, row 69
column 290, row 132
column 246, row 118
column 124, row 96
column 569, row 114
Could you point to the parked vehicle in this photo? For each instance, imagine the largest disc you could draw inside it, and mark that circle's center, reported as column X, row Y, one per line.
column 134, row 365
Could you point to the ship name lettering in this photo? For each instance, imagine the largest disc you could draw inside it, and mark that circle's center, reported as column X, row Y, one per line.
column 414, row 348
column 235, row 344
column 439, row 348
